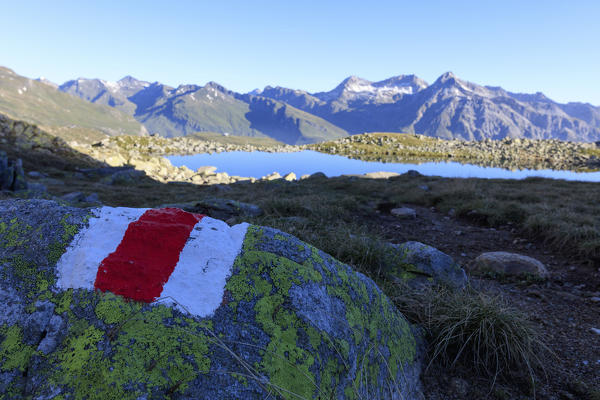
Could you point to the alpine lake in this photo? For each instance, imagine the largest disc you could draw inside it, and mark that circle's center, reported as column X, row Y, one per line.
column 258, row 164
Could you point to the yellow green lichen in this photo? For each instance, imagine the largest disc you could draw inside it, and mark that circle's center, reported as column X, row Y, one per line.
column 284, row 362
column 30, row 278
column 14, row 354
column 57, row 248
column 63, row 301
column 147, row 353
column 13, row 234
column 265, row 279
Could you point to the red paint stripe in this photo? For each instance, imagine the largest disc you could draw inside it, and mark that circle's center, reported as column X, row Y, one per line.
column 147, row 255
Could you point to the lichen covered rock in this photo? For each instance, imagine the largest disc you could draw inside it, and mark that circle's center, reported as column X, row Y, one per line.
column 421, row 264
column 292, row 321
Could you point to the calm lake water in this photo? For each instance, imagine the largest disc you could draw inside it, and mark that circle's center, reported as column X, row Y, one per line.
column 258, row 164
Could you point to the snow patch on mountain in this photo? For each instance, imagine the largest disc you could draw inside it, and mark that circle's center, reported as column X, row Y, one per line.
column 386, row 91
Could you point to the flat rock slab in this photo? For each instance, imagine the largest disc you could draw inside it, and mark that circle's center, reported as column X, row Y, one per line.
column 509, row 264
column 161, row 303
column 404, row 212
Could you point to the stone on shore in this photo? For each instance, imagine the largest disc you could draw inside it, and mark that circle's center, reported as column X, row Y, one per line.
column 404, row 213
column 501, row 263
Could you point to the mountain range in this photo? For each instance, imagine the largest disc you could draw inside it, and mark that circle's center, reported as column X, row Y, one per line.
column 447, row 108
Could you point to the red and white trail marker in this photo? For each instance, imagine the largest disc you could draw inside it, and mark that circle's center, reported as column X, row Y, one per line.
column 146, row 254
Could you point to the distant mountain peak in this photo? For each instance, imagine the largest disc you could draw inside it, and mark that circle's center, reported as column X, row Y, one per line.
column 448, row 75
column 389, row 90
column 130, row 81
column 215, row 85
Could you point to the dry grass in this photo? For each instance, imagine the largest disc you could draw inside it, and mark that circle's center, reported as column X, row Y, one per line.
column 471, row 329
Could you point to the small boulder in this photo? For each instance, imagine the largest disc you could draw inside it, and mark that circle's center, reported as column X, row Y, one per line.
column 273, row 176
column 380, row 175
column 220, row 208
column 12, row 176
column 290, row 177
column 404, row 213
column 126, row 177
column 420, row 264
column 206, row 170
column 412, row 173
column 19, row 182
column 503, row 263
column 74, row 197
column 35, row 174
column 318, row 175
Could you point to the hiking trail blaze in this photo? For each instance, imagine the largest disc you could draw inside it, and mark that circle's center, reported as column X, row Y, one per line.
column 147, row 255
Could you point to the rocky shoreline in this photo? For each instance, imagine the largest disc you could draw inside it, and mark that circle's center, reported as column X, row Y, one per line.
column 147, row 154
column 507, row 153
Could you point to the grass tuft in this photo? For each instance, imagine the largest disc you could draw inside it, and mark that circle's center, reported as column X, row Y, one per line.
column 474, row 330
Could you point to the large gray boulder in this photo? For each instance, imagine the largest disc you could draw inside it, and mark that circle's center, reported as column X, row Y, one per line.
column 291, row 322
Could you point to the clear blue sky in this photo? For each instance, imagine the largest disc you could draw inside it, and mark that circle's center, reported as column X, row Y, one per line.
column 525, row 46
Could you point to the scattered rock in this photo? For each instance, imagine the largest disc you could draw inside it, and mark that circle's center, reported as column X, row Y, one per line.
column 509, row 264
column 290, row 177
column 12, row 176
column 206, row 171
column 126, row 177
column 220, row 208
column 78, row 197
column 404, row 212
column 272, row 176
column 421, row 264
column 74, row 197
column 381, row 175
column 35, row 174
column 412, row 173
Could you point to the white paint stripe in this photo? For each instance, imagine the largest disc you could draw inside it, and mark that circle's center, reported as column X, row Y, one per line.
column 78, row 266
column 198, row 282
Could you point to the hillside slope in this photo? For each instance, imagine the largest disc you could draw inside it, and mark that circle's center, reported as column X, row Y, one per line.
column 40, row 103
